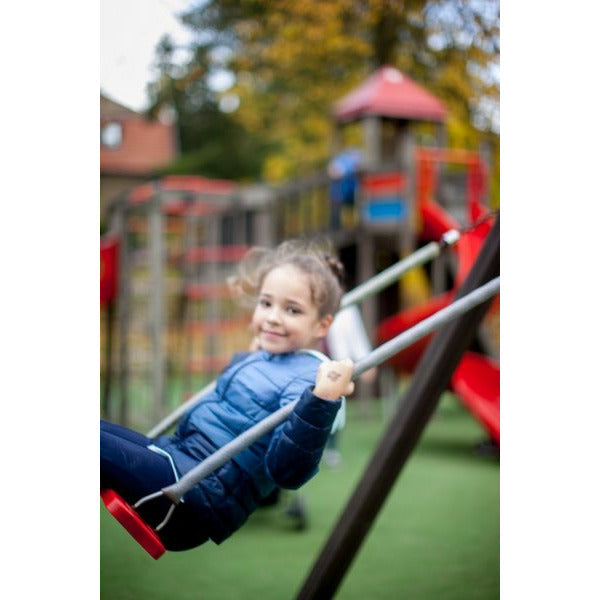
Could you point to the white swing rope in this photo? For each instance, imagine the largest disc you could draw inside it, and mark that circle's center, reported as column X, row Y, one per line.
column 372, row 286
column 175, row 491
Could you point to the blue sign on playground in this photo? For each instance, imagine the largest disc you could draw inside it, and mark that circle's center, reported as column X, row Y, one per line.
column 390, row 210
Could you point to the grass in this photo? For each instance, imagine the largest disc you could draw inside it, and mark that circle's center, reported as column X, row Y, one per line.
column 437, row 535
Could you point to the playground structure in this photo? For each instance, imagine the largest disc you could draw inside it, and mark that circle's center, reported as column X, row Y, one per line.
column 477, row 378
column 171, row 325
column 177, row 240
column 174, row 242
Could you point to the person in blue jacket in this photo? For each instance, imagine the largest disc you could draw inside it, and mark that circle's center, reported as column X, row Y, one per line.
column 343, row 170
column 296, row 289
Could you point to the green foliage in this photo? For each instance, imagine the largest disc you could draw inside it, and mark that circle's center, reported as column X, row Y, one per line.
column 212, row 142
column 293, row 59
column 216, row 145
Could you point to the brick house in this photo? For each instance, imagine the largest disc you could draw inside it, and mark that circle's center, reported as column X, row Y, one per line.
column 132, row 148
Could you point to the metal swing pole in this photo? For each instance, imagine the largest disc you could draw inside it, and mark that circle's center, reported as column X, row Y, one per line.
column 429, row 381
column 393, row 273
column 423, row 255
column 175, row 491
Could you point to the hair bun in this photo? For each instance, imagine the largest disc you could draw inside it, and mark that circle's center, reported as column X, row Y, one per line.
column 336, row 267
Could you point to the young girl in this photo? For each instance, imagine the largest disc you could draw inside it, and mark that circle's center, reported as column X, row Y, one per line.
column 297, row 291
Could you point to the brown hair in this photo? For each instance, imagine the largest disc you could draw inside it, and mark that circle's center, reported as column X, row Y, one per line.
column 315, row 258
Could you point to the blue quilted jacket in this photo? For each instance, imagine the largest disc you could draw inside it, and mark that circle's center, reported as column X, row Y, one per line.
column 251, row 388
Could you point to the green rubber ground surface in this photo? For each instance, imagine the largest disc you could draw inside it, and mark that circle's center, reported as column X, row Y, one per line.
column 437, row 536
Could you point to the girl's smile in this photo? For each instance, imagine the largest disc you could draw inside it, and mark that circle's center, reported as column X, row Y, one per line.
column 286, row 318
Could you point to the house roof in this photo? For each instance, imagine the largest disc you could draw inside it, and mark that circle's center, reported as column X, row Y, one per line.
column 389, row 93
column 144, row 146
column 110, row 109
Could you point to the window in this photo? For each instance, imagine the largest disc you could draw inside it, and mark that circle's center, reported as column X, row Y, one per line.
column 111, row 135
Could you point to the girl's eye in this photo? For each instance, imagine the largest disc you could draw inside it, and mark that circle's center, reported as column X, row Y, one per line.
column 264, row 302
column 294, row 310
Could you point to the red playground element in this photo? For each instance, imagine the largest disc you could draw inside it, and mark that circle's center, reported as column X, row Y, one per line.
column 383, row 184
column 139, row 530
column 406, row 360
column 476, row 380
column 109, row 257
column 391, row 93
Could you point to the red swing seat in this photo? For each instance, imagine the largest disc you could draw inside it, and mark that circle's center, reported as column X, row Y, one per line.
column 143, row 534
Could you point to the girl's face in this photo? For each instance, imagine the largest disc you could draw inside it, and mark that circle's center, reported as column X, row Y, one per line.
column 285, row 318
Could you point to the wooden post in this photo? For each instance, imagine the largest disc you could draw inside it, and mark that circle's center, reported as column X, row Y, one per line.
column 430, row 380
column 268, row 214
column 406, row 159
column 372, row 134
column 407, row 231
column 157, row 294
column 337, row 139
column 106, row 388
column 263, row 226
column 441, row 139
column 440, row 135
column 124, row 309
column 485, row 152
column 240, row 217
column 190, row 242
column 365, row 271
column 212, row 270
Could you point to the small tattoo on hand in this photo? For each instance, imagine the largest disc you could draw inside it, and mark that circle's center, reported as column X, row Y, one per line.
column 333, row 375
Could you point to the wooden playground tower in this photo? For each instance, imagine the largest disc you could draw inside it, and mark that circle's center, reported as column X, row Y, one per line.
column 179, row 238
column 172, row 244
column 399, row 177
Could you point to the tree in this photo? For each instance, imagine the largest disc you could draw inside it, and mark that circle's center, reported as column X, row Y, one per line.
column 212, row 142
column 293, row 58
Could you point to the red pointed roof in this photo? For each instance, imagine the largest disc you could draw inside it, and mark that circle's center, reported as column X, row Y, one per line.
column 389, row 93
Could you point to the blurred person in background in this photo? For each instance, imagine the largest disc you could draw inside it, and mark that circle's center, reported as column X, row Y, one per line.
column 346, row 338
column 343, row 171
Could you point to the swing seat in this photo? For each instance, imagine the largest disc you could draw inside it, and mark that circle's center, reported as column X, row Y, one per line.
column 143, row 534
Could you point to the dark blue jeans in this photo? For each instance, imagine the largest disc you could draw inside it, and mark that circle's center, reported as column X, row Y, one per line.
column 133, row 471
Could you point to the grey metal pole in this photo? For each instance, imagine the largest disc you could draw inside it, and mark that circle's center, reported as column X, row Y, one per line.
column 359, row 293
column 426, row 326
column 225, row 453
column 171, row 419
column 393, row 273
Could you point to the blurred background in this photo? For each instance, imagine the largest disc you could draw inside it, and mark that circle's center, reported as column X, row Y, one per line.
column 372, row 124
column 249, row 123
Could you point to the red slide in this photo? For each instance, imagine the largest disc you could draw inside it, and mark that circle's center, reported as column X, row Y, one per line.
column 476, row 380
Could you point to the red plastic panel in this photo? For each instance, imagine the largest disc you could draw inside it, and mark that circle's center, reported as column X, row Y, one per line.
column 109, row 268
column 477, row 382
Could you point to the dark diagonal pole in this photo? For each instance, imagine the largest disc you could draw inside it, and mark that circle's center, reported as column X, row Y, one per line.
column 429, row 381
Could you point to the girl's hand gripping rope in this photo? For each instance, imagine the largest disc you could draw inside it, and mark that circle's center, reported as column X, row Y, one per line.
column 334, row 379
